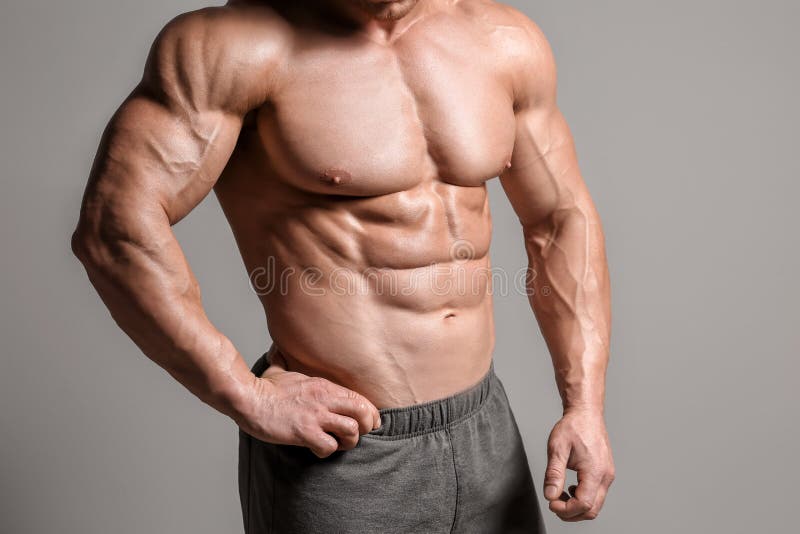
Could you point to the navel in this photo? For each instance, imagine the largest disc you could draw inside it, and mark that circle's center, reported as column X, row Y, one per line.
column 336, row 177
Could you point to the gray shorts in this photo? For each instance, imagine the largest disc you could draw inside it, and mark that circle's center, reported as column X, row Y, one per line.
column 450, row 465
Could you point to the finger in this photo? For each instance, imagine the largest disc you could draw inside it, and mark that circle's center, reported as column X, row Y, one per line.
column 377, row 421
column 345, row 429
column 321, row 444
column 569, row 509
column 373, row 413
column 356, row 407
column 556, row 472
column 584, row 496
column 595, row 510
column 588, row 488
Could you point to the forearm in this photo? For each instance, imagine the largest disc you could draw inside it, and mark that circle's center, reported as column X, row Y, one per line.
column 148, row 287
column 570, row 295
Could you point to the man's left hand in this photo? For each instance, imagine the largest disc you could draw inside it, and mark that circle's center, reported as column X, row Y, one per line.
column 579, row 441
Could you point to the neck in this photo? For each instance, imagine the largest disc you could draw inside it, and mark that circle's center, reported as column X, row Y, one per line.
column 383, row 21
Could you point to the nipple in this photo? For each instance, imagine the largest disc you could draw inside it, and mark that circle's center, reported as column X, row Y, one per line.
column 336, row 177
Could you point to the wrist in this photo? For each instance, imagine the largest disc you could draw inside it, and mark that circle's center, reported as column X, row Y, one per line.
column 235, row 399
column 234, row 393
column 584, row 408
column 584, row 396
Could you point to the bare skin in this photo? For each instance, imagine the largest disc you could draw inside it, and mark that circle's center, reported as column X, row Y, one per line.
column 349, row 143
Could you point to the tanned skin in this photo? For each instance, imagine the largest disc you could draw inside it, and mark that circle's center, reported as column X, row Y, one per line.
column 354, row 137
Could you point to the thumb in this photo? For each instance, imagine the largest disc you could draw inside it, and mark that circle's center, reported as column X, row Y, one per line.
column 556, row 473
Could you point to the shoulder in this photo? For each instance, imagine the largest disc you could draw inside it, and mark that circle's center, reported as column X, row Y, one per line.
column 520, row 48
column 224, row 57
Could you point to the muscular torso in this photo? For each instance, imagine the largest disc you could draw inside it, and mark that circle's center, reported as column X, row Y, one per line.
column 357, row 197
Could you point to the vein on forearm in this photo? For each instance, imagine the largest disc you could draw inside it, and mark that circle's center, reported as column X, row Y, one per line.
column 567, row 295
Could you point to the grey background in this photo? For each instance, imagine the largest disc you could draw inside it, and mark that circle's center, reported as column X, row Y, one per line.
column 685, row 115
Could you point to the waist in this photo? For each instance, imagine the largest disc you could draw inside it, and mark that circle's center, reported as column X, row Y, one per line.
column 393, row 360
column 437, row 414
column 429, row 416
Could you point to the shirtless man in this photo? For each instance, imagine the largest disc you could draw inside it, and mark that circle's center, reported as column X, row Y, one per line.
column 351, row 140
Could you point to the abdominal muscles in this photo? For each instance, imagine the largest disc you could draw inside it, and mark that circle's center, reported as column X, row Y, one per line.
column 389, row 296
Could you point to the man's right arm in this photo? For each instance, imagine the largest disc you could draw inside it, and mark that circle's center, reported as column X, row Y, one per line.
column 159, row 157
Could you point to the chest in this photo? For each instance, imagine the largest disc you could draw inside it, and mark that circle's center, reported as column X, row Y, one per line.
column 367, row 119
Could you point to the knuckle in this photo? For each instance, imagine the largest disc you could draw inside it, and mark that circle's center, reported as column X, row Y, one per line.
column 555, row 448
column 319, row 412
column 361, row 410
column 315, row 385
column 304, row 428
column 552, row 472
column 351, row 426
column 583, row 505
column 328, row 448
column 365, row 421
column 321, row 447
column 365, row 414
column 595, row 475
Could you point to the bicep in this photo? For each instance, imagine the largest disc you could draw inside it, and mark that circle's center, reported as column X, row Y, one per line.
column 167, row 144
column 544, row 177
column 155, row 158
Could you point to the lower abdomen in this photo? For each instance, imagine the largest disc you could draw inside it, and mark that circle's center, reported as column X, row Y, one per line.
column 417, row 343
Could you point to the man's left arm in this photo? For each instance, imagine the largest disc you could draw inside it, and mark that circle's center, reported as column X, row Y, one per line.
column 568, row 283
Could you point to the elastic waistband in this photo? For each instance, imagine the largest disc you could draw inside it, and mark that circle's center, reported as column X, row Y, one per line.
column 261, row 364
column 425, row 417
column 437, row 414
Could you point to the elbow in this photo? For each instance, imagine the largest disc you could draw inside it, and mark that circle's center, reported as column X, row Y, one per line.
column 95, row 249
column 80, row 243
column 556, row 224
column 86, row 246
column 540, row 231
column 112, row 234
column 106, row 246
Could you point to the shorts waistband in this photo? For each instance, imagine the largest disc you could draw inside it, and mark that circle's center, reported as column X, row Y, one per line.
column 437, row 414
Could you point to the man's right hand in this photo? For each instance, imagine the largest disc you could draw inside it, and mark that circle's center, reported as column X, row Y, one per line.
column 291, row 408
